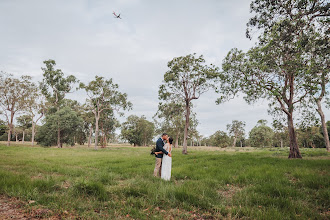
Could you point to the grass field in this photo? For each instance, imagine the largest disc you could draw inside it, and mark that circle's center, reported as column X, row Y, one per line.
column 208, row 183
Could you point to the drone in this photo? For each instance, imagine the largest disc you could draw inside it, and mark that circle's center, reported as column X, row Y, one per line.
column 116, row 16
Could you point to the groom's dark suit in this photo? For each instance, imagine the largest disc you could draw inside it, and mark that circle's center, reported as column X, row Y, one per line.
column 160, row 147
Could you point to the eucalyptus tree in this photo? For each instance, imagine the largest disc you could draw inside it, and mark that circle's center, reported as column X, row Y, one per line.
column 14, row 93
column 170, row 118
column 261, row 135
column 104, row 95
column 36, row 108
column 54, row 87
column 24, row 122
column 187, row 79
column 108, row 125
column 277, row 67
column 138, row 130
column 69, row 122
column 319, row 69
column 236, row 129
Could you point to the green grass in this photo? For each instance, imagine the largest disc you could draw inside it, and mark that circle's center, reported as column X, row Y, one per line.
column 117, row 182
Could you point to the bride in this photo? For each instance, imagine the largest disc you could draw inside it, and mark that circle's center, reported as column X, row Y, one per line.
column 167, row 161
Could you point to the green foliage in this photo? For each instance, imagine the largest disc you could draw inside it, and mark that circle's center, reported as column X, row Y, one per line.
column 68, row 123
column 138, row 130
column 187, row 78
column 261, row 135
column 218, row 139
column 104, row 96
column 24, row 121
column 3, row 127
column 54, row 85
column 310, row 137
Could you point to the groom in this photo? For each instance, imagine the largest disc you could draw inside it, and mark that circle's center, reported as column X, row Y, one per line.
column 159, row 148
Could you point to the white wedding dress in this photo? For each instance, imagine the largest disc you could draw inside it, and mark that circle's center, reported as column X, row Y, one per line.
column 167, row 163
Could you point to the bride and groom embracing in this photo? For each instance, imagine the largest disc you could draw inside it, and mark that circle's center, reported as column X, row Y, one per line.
column 163, row 153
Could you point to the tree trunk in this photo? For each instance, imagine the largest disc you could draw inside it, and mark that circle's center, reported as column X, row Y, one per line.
column 241, row 143
column 281, row 143
column 324, row 126
column 185, row 136
column 294, row 149
column 9, row 136
column 33, row 133
column 16, row 136
column 234, row 143
column 23, row 137
column 96, row 130
column 59, row 145
column 90, row 136
column 177, row 139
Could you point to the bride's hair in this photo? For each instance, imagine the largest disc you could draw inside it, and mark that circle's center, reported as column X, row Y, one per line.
column 170, row 140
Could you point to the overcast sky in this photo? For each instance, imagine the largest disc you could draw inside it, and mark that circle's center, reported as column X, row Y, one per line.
column 85, row 40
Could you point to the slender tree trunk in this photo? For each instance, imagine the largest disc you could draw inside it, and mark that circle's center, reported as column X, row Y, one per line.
column 23, row 137
column 59, row 145
column 16, row 136
column 33, row 133
column 10, row 127
column 9, row 135
column 185, row 136
column 281, row 143
column 90, row 136
column 234, row 143
column 241, row 143
column 177, row 139
column 97, row 117
column 324, row 126
column 294, row 149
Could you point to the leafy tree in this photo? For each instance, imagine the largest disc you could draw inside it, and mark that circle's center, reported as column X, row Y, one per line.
column 14, row 93
column 3, row 127
column 24, row 122
column 310, row 137
column 236, row 129
column 261, row 135
column 89, row 120
column 220, row 139
column 277, row 67
column 54, row 87
column 36, row 108
column 319, row 83
column 104, row 95
column 137, row 130
column 187, row 79
column 170, row 118
column 69, row 123
column 281, row 137
column 108, row 124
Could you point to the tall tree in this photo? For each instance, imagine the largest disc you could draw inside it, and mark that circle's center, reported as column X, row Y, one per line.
column 319, row 65
column 69, row 123
column 54, row 87
column 276, row 67
column 36, row 108
column 236, row 129
column 188, row 78
column 170, row 117
column 14, row 93
column 24, row 122
column 104, row 95
column 261, row 135
column 138, row 130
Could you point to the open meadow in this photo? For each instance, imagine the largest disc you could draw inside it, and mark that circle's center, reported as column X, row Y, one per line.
column 208, row 183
